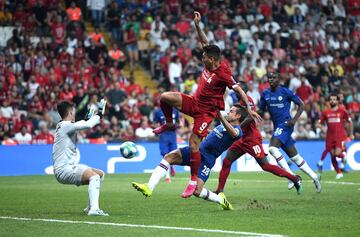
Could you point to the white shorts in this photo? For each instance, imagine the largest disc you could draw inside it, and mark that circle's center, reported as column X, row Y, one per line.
column 71, row 174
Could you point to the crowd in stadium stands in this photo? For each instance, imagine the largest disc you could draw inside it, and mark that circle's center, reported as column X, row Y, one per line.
column 55, row 50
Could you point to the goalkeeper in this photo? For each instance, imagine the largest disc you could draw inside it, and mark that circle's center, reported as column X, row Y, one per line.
column 66, row 156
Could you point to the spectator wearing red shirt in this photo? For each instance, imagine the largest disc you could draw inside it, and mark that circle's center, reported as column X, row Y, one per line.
column 20, row 15
column 220, row 33
column 44, row 137
column 265, row 8
column 202, row 6
column 23, row 122
column 135, row 117
column 184, row 53
column 353, row 7
column 133, row 87
column 74, row 13
column 173, row 7
column 222, row 16
column 58, row 29
column 66, row 93
column 183, row 25
column 304, row 91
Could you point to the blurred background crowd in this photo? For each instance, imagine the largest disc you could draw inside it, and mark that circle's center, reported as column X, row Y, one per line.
column 82, row 51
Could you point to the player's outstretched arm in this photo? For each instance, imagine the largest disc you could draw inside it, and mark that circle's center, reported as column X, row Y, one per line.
column 202, row 37
column 246, row 121
column 229, row 128
column 92, row 119
column 244, row 98
column 83, row 125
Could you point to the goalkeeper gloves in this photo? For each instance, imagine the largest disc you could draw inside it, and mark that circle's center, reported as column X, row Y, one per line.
column 101, row 109
column 90, row 113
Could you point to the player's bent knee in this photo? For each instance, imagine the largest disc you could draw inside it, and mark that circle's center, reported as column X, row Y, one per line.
column 170, row 158
column 88, row 173
column 274, row 151
column 99, row 172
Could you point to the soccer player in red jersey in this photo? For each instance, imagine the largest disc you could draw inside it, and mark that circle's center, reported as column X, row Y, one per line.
column 251, row 143
column 335, row 119
column 203, row 106
column 326, row 151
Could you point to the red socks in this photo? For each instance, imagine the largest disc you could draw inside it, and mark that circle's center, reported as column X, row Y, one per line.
column 195, row 160
column 324, row 155
column 224, row 174
column 167, row 110
column 276, row 170
column 335, row 164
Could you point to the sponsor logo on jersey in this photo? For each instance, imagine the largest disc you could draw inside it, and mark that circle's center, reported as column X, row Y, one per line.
column 218, row 133
column 278, row 105
column 333, row 120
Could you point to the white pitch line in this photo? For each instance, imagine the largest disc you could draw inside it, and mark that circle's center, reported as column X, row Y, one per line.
column 275, row 181
column 249, row 234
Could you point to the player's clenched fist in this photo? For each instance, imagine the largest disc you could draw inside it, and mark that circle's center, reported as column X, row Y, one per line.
column 197, row 17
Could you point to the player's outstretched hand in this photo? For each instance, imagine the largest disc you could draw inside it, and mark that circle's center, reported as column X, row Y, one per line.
column 255, row 115
column 102, row 106
column 197, row 17
column 90, row 113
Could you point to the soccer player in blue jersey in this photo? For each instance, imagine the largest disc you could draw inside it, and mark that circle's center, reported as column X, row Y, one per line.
column 167, row 141
column 277, row 99
column 211, row 148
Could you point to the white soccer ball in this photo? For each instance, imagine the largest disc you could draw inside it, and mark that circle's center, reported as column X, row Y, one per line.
column 128, row 150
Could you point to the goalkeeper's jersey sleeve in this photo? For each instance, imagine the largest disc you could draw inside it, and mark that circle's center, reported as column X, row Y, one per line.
column 64, row 148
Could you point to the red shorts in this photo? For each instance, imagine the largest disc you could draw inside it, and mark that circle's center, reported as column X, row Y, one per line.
column 202, row 118
column 332, row 144
column 252, row 146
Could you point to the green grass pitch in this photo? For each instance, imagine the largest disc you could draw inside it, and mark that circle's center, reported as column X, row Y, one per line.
column 262, row 205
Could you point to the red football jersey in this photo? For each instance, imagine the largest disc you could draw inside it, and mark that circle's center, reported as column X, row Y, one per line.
column 335, row 120
column 211, row 87
column 250, row 129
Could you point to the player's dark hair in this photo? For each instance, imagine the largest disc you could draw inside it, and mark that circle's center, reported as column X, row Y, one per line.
column 335, row 95
column 241, row 110
column 64, row 108
column 212, row 51
column 273, row 75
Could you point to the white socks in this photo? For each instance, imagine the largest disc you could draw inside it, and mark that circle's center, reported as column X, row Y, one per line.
column 298, row 160
column 210, row 196
column 159, row 172
column 280, row 159
column 301, row 163
column 94, row 192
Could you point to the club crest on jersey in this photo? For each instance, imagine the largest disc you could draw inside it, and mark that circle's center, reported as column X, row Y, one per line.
column 280, row 98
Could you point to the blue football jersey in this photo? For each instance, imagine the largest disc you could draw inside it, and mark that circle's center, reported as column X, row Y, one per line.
column 218, row 141
column 278, row 103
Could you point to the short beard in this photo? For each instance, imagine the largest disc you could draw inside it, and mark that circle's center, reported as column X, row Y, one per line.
column 333, row 105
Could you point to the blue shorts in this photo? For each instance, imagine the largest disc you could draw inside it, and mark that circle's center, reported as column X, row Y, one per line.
column 207, row 162
column 167, row 143
column 283, row 133
column 131, row 47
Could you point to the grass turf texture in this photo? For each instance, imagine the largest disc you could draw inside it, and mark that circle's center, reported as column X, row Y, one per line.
column 262, row 204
